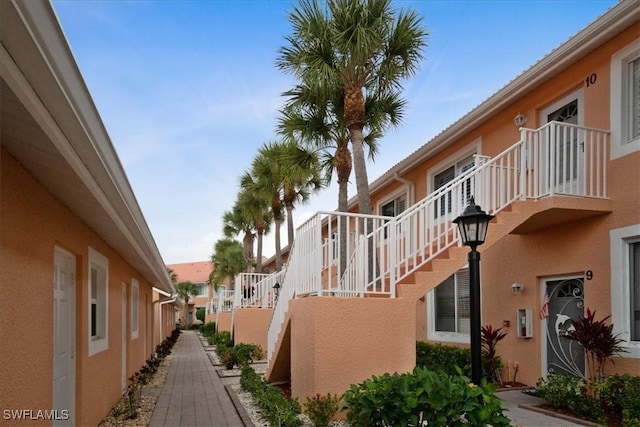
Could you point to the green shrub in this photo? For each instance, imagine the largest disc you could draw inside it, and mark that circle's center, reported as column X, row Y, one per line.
column 448, row 358
column 208, row 329
column 445, row 358
column 422, row 397
column 559, row 390
column 276, row 409
column 621, row 395
column 222, row 340
column 569, row 392
column 244, row 354
column 321, row 409
column 200, row 314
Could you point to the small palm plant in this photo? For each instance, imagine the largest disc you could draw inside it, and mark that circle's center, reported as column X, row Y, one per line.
column 599, row 343
column 490, row 339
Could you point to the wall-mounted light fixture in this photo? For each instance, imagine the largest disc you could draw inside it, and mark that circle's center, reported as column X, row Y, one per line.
column 520, row 120
column 517, row 288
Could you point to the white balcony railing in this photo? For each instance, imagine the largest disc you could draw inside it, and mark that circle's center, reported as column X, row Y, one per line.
column 557, row 158
column 256, row 289
column 222, row 301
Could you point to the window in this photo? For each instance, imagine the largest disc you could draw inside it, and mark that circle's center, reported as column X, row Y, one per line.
column 625, row 287
column 634, row 290
column 335, row 246
column 393, row 208
column 444, row 205
column 449, row 308
column 98, row 293
column 625, row 100
column 203, row 290
column 135, row 307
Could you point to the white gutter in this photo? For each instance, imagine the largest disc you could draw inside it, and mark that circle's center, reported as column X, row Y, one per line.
column 161, row 302
column 411, row 185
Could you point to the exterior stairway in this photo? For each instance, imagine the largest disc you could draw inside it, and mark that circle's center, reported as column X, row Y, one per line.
column 525, row 187
column 521, row 217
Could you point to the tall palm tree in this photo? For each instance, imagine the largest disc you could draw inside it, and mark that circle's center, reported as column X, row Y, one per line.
column 239, row 221
column 266, row 177
column 185, row 291
column 361, row 47
column 318, row 122
column 255, row 207
column 302, row 175
column 228, row 260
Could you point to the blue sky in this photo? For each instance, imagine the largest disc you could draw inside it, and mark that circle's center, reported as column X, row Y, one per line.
column 188, row 91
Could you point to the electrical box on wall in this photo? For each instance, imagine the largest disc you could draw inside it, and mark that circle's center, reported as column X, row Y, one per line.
column 524, row 321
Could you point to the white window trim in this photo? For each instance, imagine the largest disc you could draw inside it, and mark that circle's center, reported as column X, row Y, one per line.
column 475, row 148
column 620, row 315
column 100, row 344
column 619, row 60
column 452, row 337
column 135, row 309
column 206, row 289
column 402, row 191
column 577, row 95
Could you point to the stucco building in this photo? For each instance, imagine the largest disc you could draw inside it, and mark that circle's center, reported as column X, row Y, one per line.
column 81, row 276
column 555, row 156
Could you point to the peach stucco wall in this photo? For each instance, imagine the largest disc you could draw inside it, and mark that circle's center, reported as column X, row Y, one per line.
column 250, row 326
column 224, row 322
column 164, row 318
column 336, row 342
column 34, row 223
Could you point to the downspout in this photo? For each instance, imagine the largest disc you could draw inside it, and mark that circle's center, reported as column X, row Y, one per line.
column 162, row 302
column 411, row 185
column 412, row 197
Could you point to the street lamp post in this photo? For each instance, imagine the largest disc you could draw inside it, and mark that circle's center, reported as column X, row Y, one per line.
column 473, row 224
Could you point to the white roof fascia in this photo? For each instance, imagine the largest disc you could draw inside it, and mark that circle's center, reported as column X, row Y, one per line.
column 105, row 175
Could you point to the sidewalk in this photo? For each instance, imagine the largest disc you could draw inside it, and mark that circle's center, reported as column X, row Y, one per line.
column 193, row 394
column 522, row 417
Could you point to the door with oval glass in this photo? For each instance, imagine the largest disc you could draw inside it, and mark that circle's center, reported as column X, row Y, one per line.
column 565, row 304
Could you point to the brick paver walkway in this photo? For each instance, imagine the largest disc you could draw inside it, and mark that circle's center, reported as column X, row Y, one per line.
column 193, row 394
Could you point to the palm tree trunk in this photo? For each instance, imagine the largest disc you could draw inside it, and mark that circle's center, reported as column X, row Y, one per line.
column 364, row 197
column 360, row 168
column 277, row 222
column 289, row 224
column 343, row 164
column 247, row 244
column 259, row 251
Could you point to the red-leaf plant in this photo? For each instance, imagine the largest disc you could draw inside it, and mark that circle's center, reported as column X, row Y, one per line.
column 490, row 339
column 599, row 343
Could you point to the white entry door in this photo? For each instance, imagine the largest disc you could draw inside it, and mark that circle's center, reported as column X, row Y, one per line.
column 564, row 145
column 64, row 337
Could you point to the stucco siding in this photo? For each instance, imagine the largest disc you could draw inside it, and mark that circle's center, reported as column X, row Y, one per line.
column 33, row 224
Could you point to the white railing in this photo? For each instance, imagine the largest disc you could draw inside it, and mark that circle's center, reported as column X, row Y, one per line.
column 565, row 159
column 558, row 158
column 222, row 301
column 256, row 289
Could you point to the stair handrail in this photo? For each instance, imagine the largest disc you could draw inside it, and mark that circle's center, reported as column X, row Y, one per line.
column 495, row 183
column 405, row 247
